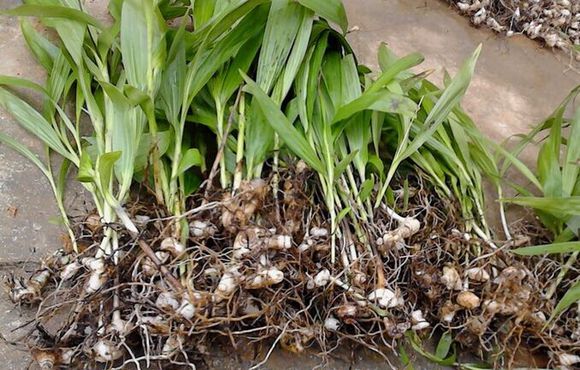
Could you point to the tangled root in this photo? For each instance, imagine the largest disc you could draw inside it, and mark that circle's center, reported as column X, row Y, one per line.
column 257, row 267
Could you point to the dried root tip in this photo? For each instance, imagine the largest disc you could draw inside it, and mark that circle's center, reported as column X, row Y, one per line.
column 173, row 345
column 201, row 229
column 156, row 324
column 265, row 278
column 468, row 300
column 246, row 241
column 347, row 312
column 331, row 324
column 106, row 351
column 385, row 298
column 45, row 358
column 120, row 326
column 172, row 246
column 451, row 278
column 477, row 274
column 395, row 330
column 418, row 321
column 447, row 312
column 511, row 275
column 29, row 291
column 93, row 222
column 301, row 166
column 359, row 279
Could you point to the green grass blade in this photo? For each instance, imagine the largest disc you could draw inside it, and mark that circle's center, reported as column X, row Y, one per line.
column 571, row 165
column 567, row 247
column 142, row 43
column 53, row 11
column 556, row 206
column 42, row 49
column 572, row 296
column 34, row 123
column 445, row 104
column 283, row 25
column 332, row 10
column 288, row 133
column 25, row 152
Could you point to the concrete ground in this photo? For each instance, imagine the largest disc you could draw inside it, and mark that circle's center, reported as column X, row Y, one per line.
column 517, row 83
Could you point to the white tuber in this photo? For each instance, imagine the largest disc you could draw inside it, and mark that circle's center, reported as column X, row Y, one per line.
column 468, row 300
column 186, row 309
column 201, row 229
column 384, row 297
column 418, row 321
column 106, row 351
column 322, row 278
column 172, row 345
column 567, row 359
column 167, row 301
column 331, row 324
column 70, row 270
column 478, row 274
column 318, row 232
column 172, row 246
column 228, row 282
column 266, row 277
column 451, row 278
column 98, row 276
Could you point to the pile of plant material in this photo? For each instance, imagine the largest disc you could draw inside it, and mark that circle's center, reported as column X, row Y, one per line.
column 252, row 181
column 555, row 22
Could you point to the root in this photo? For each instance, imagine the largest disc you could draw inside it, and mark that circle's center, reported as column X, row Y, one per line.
column 247, row 274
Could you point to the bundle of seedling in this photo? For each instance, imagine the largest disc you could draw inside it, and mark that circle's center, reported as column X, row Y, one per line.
column 252, row 181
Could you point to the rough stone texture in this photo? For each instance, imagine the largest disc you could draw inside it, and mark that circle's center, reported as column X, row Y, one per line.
column 516, row 84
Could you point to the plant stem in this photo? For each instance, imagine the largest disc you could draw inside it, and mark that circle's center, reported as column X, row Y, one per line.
column 224, row 182
column 240, row 147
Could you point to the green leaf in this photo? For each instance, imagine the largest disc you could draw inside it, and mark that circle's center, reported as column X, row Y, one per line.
column 444, row 345
column 142, row 43
column 288, row 133
column 146, row 144
column 85, row 172
column 104, row 168
column 53, row 11
column 332, row 10
column 572, row 296
column 570, row 167
column 343, row 164
column 342, row 214
column 535, row 250
column 34, row 123
column 44, row 51
column 555, row 206
column 383, row 101
column 25, row 152
column 449, row 100
column 366, row 189
column 283, row 25
column 191, row 158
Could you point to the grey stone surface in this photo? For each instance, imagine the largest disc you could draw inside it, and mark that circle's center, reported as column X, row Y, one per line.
column 516, row 84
